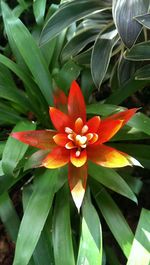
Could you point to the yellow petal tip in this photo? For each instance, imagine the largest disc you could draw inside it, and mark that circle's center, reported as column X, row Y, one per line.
column 78, row 194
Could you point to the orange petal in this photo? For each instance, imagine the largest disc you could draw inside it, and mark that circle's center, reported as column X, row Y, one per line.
column 57, row 158
column 76, row 104
column 40, row 138
column 107, row 156
column 60, row 100
column 77, row 181
column 107, row 129
column 80, row 160
column 61, row 139
column 59, row 119
column 123, row 115
column 93, row 124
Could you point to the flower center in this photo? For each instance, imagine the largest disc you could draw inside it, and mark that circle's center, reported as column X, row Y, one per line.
column 79, row 138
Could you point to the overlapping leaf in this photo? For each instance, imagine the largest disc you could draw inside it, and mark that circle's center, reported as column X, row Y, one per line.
column 124, row 12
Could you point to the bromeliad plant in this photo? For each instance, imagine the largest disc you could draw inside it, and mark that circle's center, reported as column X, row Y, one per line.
column 89, row 41
column 77, row 140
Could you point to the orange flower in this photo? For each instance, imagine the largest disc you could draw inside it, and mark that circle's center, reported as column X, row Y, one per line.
column 76, row 140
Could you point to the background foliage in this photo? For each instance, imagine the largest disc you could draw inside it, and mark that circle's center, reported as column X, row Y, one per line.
column 105, row 45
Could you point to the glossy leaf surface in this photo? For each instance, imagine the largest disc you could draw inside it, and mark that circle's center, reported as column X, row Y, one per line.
column 124, row 12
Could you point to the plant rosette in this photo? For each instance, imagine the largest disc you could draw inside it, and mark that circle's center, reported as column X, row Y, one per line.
column 77, row 140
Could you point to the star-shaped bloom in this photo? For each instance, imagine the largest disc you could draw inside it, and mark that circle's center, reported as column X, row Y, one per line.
column 76, row 140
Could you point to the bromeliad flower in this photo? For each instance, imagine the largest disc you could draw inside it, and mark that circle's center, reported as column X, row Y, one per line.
column 76, row 140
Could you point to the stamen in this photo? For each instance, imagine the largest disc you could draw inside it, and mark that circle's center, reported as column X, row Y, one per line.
column 68, row 130
column 78, row 153
column 84, row 129
column 83, row 145
column 78, row 137
column 83, row 140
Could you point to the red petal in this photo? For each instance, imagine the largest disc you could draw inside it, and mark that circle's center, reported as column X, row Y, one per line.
column 107, row 156
column 123, row 115
column 61, row 139
column 76, row 104
column 107, row 129
column 59, row 119
column 40, row 139
column 93, row 124
column 78, row 161
column 77, row 181
column 60, row 100
column 57, row 158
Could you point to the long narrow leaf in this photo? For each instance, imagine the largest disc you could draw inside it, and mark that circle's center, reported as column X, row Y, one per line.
column 140, row 251
column 43, row 253
column 62, row 240
column 90, row 249
column 39, row 7
column 112, row 180
column 101, row 55
column 71, row 11
column 26, row 44
column 39, row 205
column 9, row 216
column 114, row 218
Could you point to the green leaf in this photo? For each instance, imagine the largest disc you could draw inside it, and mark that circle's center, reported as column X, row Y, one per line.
column 43, row 253
column 8, row 115
column 127, row 90
column 9, row 91
column 139, row 52
column 25, row 43
column 114, row 218
column 9, row 216
column 140, row 122
column 84, row 58
column 69, row 72
column 34, row 95
column 129, row 133
column 78, row 42
column 102, row 50
column 134, row 183
column 71, row 11
column 62, row 240
column 90, row 248
column 123, row 14
column 111, row 179
column 144, row 20
column 103, row 109
column 15, row 150
column 143, row 73
column 39, row 7
column 2, row 146
column 46, row 184
column 140, row 251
